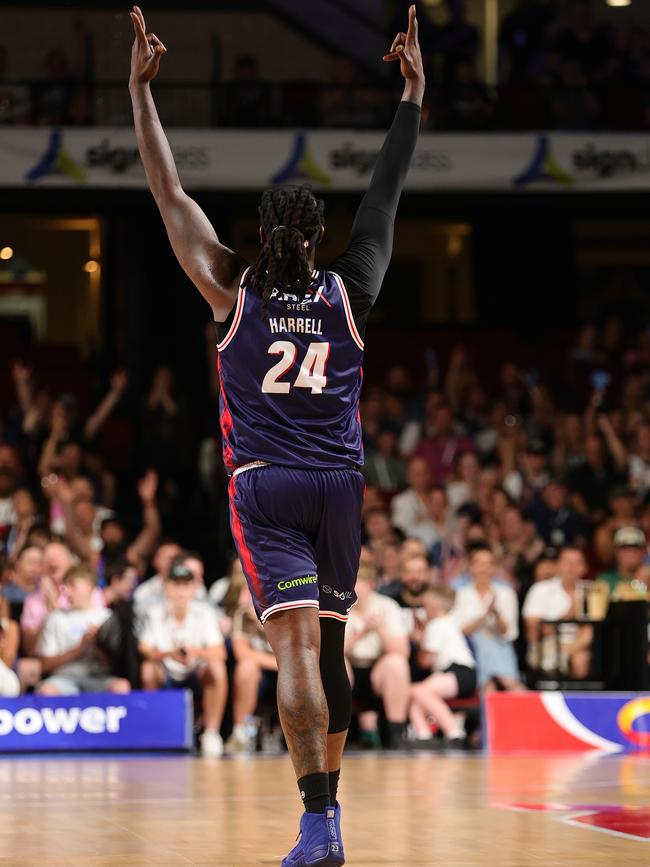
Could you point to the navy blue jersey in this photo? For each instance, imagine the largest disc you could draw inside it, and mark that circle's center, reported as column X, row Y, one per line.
column 291, row 379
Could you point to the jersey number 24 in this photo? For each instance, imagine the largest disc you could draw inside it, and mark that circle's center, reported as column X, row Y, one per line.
column 312, row 370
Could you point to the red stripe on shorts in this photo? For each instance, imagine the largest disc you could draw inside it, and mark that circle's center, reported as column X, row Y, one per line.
column 244, row 551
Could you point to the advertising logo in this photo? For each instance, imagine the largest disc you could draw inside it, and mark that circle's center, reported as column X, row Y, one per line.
column 543, row 166
column 630, row 721
column 56, row 161
column 301, row 166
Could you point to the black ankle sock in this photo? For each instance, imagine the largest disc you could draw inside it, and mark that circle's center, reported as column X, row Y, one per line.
column 315, row 792
column 395, row 733
column 334, row 785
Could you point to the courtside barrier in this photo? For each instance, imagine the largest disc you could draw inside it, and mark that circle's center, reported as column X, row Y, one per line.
column 97, row 721
column 566, row 721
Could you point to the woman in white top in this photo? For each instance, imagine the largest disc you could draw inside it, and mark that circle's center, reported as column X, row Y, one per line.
column 487, row 611
column 445, row 651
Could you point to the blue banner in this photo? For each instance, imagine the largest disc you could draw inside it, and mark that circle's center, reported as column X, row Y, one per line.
column 97, row 721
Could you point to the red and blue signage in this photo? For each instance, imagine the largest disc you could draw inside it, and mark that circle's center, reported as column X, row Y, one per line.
column 557, row 722
column 97, row 721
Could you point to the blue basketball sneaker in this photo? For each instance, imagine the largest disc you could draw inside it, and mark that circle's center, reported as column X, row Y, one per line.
column 320, row 843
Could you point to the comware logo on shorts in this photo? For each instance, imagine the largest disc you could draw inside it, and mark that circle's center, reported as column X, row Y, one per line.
column 297, row 582
column 62, row 720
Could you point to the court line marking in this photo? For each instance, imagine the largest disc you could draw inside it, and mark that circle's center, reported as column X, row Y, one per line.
column 570, row 820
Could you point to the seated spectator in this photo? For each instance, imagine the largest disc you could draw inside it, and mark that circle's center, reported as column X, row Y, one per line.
column 120, row 579
column 442, row 445
column 631, row 550
column 255, row 676
column 415, row 578
column 593, row 480
column 530, row 474
column 555, row 600
column 388, row 564
column 9, row 644
column 384, row 468
column 487, row 612
column 25, row 517
column 348, row 101
column 517, row 547
column 248, row 101
column 378, row 529
column 14, row 98
column 410, row 508
column 438, row 529
column 151, row 592
column 70, row 658
column 445, row 652
column 50, row 595
column 24, row 577
column 377, row 649
column 468, row 106
column 556, row 521
column 622, row 508
column 461, row 489
column 183, row 647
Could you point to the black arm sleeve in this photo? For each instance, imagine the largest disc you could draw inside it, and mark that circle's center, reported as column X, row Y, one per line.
column 363, row 265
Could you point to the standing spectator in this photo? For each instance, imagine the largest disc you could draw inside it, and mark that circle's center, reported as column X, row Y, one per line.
column 255, row 675
column 488, row 613
column 410, row 508
column 183, row 647
column 384, row 468
column 556, row 600
column 445, row 652
column 70, row 658
column 631, row 552
column 377, row 650
column 9, row 644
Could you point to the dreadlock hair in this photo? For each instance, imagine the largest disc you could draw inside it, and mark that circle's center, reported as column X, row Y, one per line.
column 291, row 218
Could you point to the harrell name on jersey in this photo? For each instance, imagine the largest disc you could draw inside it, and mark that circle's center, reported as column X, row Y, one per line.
column 291, row 379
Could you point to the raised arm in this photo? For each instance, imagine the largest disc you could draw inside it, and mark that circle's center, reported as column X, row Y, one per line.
column 364, row 263
column 214, row 269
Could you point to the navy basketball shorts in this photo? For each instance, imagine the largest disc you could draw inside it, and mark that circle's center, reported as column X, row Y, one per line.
column 298, row 535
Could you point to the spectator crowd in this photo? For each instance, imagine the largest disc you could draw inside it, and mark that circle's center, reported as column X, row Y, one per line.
column 491, row 513
column 560, row 67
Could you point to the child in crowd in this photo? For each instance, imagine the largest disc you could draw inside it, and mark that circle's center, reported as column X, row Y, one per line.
column 446, row 653
column 67, row 645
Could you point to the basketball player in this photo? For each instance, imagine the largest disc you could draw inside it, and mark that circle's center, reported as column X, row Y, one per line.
column 290, row 352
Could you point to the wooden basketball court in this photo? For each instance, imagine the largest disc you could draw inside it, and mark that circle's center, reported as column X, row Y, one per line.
column 456, row 811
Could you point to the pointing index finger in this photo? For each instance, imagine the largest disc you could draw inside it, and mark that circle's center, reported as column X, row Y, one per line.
column 412, row 32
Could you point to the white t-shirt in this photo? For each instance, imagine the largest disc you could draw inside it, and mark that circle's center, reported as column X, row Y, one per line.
column 64, row 630
column 639, row 474
column 162, row 631
column 547, row 600
column 369, row 648
column 470, row 605
column 407, row 511
column 152, row 592
column 443, row 638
